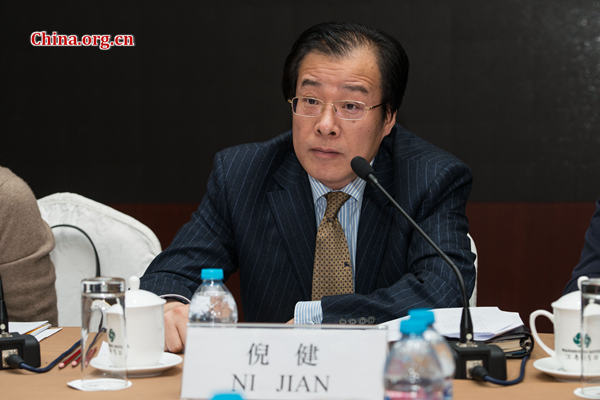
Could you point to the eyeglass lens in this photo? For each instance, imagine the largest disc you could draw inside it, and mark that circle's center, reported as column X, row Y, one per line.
column 311, row 107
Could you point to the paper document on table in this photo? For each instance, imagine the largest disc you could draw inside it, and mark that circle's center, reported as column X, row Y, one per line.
column 39, row 329
column 487, row 322
column 46, row 333
column 28, row 327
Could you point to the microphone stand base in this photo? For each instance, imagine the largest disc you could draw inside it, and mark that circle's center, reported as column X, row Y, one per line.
column 25, row 346
column 471, row 354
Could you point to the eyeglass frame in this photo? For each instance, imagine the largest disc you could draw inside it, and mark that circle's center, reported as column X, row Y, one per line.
column 335, row 111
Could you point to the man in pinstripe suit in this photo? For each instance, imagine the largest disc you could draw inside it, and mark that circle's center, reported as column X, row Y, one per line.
column 589, row 262
column 264, row 201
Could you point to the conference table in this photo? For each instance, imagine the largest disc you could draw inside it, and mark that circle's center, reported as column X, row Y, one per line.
column 20, row 384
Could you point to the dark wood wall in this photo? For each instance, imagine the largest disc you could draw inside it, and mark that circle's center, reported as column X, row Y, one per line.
column 526, row 251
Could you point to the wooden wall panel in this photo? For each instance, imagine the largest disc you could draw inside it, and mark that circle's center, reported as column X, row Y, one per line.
column 526, row 252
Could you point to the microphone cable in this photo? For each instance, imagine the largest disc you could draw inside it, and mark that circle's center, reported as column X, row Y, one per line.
column 97, row 259
column 479, row 373
column 15, row 361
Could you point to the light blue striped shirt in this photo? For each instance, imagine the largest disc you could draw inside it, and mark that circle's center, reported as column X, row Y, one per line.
column 310, row 312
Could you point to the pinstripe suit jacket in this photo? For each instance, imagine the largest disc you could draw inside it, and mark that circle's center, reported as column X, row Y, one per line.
column 258, row 217
column 589, row 263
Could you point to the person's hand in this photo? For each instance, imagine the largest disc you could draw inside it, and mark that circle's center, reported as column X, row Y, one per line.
column 176, row 319
column 290, row 322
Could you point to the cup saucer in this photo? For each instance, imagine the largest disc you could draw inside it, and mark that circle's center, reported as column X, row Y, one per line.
column 588, row 393
column 550, row 366
column 167, row 360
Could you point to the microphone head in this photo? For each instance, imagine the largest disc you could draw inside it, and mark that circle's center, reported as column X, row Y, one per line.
column 361, row 167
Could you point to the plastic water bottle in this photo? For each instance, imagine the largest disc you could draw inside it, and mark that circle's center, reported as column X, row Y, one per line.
column 212, row 301
column 412, row 370
column 440, row 345
column 227, row 396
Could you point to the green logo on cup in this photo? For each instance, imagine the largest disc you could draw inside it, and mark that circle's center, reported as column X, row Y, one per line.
column 111, row 335
column 577, row 340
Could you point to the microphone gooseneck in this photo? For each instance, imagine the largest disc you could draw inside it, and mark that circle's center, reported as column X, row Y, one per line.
column 363, row 169
column 3, row 313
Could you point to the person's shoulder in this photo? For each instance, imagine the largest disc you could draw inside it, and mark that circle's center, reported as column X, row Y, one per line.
column 14, row 191
column 405, row 145
column 597, row 212
column 265, row 154
column 7, row 177
column 594, row 229
column 21, row 225
column 277, row 144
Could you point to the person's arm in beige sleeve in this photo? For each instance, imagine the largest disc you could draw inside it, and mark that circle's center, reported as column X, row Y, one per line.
column 25, row 243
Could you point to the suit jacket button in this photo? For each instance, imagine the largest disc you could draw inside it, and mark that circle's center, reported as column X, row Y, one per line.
column 343, row 321
column 371, row 320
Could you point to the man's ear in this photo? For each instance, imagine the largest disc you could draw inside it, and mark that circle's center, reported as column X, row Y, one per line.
column 390, row 121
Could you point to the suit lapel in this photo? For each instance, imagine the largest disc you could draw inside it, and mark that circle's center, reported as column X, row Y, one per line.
column 375, row 221
column 293, row 210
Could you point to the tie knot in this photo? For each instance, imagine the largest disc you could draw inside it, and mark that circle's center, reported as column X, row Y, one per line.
column 334, row 203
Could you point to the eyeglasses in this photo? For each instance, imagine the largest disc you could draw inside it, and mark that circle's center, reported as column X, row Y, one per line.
column 345, row 109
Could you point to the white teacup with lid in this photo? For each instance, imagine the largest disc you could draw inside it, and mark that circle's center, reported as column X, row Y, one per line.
column 566, row 318
column 145, row 325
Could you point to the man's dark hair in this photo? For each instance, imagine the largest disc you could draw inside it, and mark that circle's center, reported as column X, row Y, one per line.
column 339, row 39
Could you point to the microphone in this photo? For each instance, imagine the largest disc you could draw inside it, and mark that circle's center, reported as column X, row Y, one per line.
column 468, row 353
column 363, row 169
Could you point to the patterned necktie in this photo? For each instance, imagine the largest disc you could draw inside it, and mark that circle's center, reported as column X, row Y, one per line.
column 332, row 272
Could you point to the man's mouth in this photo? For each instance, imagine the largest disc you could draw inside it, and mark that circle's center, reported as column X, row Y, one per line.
column 325, row 152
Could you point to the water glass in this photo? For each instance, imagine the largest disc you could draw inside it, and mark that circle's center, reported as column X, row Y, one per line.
column 589, row 340
column 103, row 335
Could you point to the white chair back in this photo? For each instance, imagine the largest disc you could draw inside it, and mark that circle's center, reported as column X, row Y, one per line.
column 125, row 247
column 473, row 299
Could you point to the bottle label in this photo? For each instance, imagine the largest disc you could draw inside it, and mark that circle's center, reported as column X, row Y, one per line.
column 420, row 395
column 448, row 390
column 392, row 395
column 213, row 308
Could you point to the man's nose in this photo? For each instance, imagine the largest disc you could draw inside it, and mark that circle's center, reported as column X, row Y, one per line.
column 327, row 123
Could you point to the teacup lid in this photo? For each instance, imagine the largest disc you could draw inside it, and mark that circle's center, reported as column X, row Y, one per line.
column 114, row 309
column 136, row 297
column 570, row 301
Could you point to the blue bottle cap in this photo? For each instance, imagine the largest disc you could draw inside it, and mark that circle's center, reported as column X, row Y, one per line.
column 424, row 314
column 211, row 273
column 415, row 326
column 227, row 396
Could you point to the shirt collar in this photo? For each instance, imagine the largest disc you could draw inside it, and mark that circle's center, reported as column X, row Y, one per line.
column 355, row 188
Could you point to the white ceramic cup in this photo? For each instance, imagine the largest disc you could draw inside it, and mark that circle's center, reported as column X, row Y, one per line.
column 566, row 318
column 144, row 322
column 144, row 317
column 566, row 331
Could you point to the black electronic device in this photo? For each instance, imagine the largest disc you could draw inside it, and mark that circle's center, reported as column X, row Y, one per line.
column 25, row 346
column 468, row 354
column 471, row 354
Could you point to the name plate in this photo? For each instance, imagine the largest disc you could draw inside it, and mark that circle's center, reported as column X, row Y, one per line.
column 278, row 361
